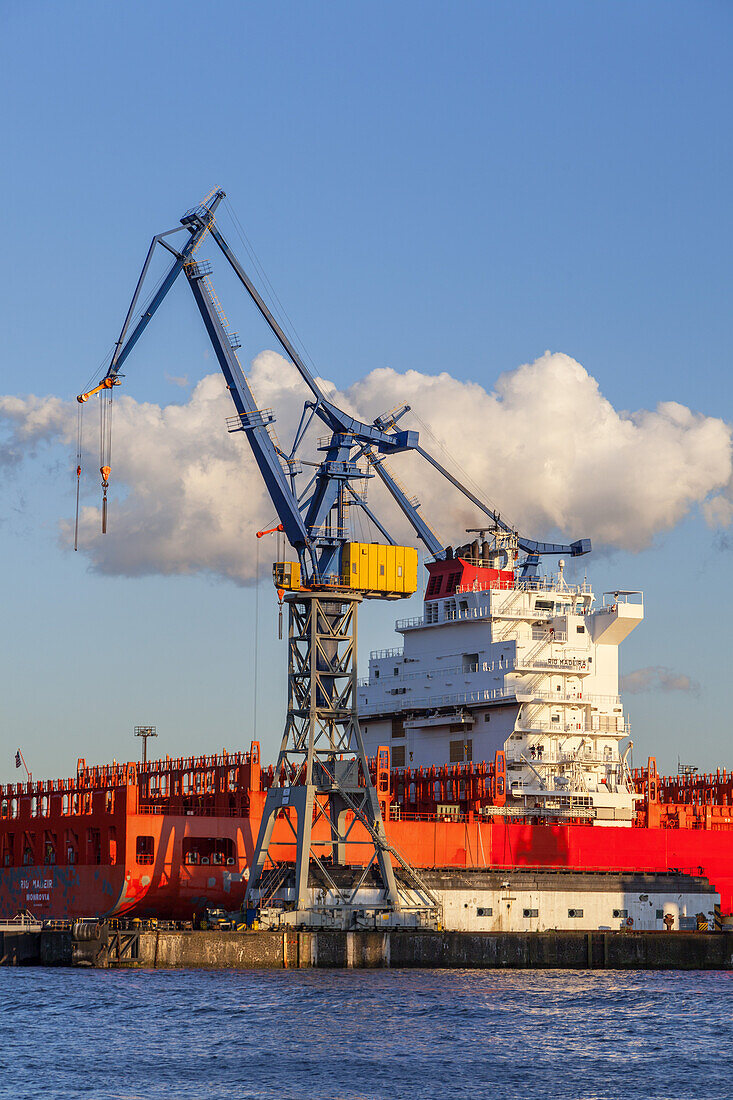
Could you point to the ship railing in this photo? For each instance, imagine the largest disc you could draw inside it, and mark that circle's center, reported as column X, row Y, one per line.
column 548, row 727
column 554, row 757
column 486, row 586
column 556, row 582
column 581, row 699
column 470, row 614
column 105, row 776
column 408, row 624
column 24, row 921
column 437, row 673
column 611, row 600
column 431, row 702
column 176, row 810
column 398, row 814
column 441, row 673
column 380, row 654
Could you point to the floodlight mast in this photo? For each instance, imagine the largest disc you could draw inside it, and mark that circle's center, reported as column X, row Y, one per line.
column 325, row 585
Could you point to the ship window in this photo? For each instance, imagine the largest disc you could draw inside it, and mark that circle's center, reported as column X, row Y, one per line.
column 396, row 672
column 94, row 847
column 49, row 854
column 575, row 912
column 8, row 848
column 581, row 630
column 470, row 662
column 487, row 718
column 381, row 571
column 531, row 913
column 29, row 843
column 620, row 913
column 399, row 570
column 398, row 756
column 398, row 727
column 660, row 914
column 376, row 673
column 144, row 849
column 434, row 585
column 485, row 912
column 456, row 752
column 217, row 850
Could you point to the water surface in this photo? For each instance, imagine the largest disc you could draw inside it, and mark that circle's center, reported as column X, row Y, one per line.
column 363, row 1035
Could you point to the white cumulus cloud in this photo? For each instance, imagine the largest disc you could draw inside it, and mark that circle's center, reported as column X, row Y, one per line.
column 658, row 678
column 544, row 444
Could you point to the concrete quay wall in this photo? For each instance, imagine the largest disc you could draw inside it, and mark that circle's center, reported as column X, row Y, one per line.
column 214, row 950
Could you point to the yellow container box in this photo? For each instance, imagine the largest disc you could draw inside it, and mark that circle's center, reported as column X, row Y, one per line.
column 372, row 567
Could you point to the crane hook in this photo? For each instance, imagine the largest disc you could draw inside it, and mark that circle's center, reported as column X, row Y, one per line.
column 105, row 471
column 280, row 594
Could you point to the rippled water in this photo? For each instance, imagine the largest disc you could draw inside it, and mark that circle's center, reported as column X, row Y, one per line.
column 364, row 1034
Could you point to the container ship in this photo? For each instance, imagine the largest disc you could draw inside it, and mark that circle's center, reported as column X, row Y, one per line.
column 501, row 755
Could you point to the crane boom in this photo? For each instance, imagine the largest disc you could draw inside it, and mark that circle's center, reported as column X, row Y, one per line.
column 314, row 523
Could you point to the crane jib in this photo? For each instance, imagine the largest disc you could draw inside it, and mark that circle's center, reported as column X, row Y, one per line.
column 316, row 523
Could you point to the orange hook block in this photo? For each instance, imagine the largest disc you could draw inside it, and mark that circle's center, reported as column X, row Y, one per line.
column 105, row 384
column 270, row 531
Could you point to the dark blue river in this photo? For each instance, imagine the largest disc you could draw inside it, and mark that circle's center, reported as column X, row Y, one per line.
column 354, row 1035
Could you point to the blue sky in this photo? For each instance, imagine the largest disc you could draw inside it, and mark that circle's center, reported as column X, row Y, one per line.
column 441, row 187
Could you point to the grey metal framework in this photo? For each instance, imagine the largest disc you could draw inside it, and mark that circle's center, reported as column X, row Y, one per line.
column 322, row 769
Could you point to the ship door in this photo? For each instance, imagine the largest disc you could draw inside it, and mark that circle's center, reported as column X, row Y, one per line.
column 507, row 905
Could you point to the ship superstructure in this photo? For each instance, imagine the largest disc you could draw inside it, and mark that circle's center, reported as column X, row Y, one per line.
column 521, row 665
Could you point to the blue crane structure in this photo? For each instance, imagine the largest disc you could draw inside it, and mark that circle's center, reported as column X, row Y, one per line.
column 312, row 519
column 322, row 769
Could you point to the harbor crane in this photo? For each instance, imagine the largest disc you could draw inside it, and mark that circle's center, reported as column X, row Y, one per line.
column 322, row 770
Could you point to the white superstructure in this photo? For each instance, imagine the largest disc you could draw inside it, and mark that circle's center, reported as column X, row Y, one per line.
column 524, row 666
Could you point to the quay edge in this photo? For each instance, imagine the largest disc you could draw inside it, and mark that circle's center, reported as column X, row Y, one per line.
column 217, row 950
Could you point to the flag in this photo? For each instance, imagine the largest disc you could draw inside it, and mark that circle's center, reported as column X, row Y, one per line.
column 18, row 760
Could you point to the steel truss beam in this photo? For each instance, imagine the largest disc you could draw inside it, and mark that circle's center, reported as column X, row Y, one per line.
column 322, row 770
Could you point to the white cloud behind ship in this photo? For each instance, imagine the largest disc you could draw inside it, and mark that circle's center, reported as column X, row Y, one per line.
column 545, row 443
column 657, row 678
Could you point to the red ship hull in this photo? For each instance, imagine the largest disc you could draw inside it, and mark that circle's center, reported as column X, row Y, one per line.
column 177, row 837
